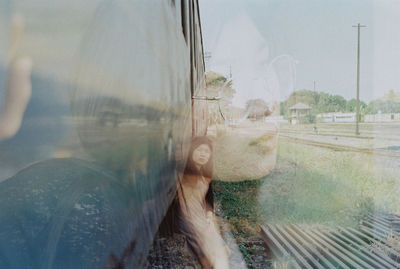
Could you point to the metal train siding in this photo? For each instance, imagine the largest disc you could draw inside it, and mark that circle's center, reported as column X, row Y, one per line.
column 88, row 178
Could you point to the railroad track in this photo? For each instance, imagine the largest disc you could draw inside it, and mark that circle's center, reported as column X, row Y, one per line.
column 372, row 245
column 337, row 147
column 372, row 135
column 338, row 134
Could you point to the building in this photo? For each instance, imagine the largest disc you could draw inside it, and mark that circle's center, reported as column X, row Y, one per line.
column 336, row 117
column 382, row 117
column 298, row 111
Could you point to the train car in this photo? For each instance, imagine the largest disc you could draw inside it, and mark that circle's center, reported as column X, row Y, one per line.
column 87, row 177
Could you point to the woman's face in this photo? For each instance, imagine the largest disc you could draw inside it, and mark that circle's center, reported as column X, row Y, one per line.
column 201, row 154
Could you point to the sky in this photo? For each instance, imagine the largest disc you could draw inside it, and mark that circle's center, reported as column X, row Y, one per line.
column 272, row 47
column 317, row 39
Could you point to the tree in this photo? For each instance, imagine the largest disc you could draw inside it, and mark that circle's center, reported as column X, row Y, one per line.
column 382, row 106
column 259, row 110
column 320, row 102
column 351, row 105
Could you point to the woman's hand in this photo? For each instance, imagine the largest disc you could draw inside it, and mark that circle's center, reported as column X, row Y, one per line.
column 210, row 217
column 17, row 94
column 18, row 88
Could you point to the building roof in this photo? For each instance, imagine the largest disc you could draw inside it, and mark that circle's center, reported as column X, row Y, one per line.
column 299, row 106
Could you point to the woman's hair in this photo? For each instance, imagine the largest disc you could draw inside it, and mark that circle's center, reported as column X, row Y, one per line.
column 207, row 169
column 171, row 221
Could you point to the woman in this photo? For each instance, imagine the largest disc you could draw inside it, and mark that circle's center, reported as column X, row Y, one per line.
column 192, row 210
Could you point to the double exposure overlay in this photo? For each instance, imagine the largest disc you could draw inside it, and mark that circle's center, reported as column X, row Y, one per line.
column 199, row 134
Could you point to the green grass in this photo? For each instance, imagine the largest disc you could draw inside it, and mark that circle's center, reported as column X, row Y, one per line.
column 299, row 195
column 259, row 140
column 238, row 201
column 329, row 186
column 311, row 185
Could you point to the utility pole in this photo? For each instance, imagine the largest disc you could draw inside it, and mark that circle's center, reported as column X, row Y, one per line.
column 315, row 92
column 358, row 77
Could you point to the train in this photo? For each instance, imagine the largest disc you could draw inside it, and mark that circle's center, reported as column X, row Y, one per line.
column 88, row 177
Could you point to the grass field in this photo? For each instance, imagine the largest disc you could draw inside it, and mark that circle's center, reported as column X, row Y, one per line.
column 310, row 185
column 315, row 185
